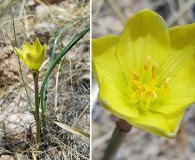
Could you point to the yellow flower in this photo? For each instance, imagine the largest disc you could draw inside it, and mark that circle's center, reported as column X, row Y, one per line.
column 146, row 76
column 32, row 55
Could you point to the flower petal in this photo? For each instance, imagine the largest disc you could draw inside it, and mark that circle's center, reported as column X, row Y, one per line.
column 179, row 65
column 21, row 54
column 181, row 93
column 105, row 62
column 145, row 34
column 35, row 61
column 38, row 47
column 26, row 48
column 115, row 101
column 158, row 124
column 182, row 51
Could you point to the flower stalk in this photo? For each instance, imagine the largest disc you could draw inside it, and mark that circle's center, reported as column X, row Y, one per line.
column 119, row 134
column 33, row 56
column 38, row 128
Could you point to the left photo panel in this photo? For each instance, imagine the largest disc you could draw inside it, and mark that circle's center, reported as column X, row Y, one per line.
column 45, row 80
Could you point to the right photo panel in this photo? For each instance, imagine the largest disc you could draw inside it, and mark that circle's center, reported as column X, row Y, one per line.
column 143, row 80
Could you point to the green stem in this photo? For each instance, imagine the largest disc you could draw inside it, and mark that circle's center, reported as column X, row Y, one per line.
column 54, row 63
column 44, row 104
column 118, row 135
column 38, row 128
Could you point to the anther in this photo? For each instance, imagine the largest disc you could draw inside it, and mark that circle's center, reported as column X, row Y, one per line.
column 138, row 84
column 166, row 84
column 139, row 87
column 136, row 74
column 151, row 94
column 146, row 63
column 154, row 67
column 168, row 80
column 154, row 94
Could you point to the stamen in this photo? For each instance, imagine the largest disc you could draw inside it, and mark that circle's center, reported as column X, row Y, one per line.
column 147, row 62
column 139, row 87
column 166, row 85
column 136, row 74
column 154, row 94
column 146, row 87
column 154, row 67
column 150, row 94
column 168, row 80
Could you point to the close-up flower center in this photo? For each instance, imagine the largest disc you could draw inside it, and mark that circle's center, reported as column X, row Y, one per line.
column 146, row 87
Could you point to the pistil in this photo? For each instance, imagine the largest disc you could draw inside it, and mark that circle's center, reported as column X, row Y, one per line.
column 154, row 68
column 147, row 63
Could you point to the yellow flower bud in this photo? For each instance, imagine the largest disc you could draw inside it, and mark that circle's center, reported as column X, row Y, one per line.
column 32, row 55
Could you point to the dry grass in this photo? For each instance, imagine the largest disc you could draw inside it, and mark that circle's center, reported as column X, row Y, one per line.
column 69, row 84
